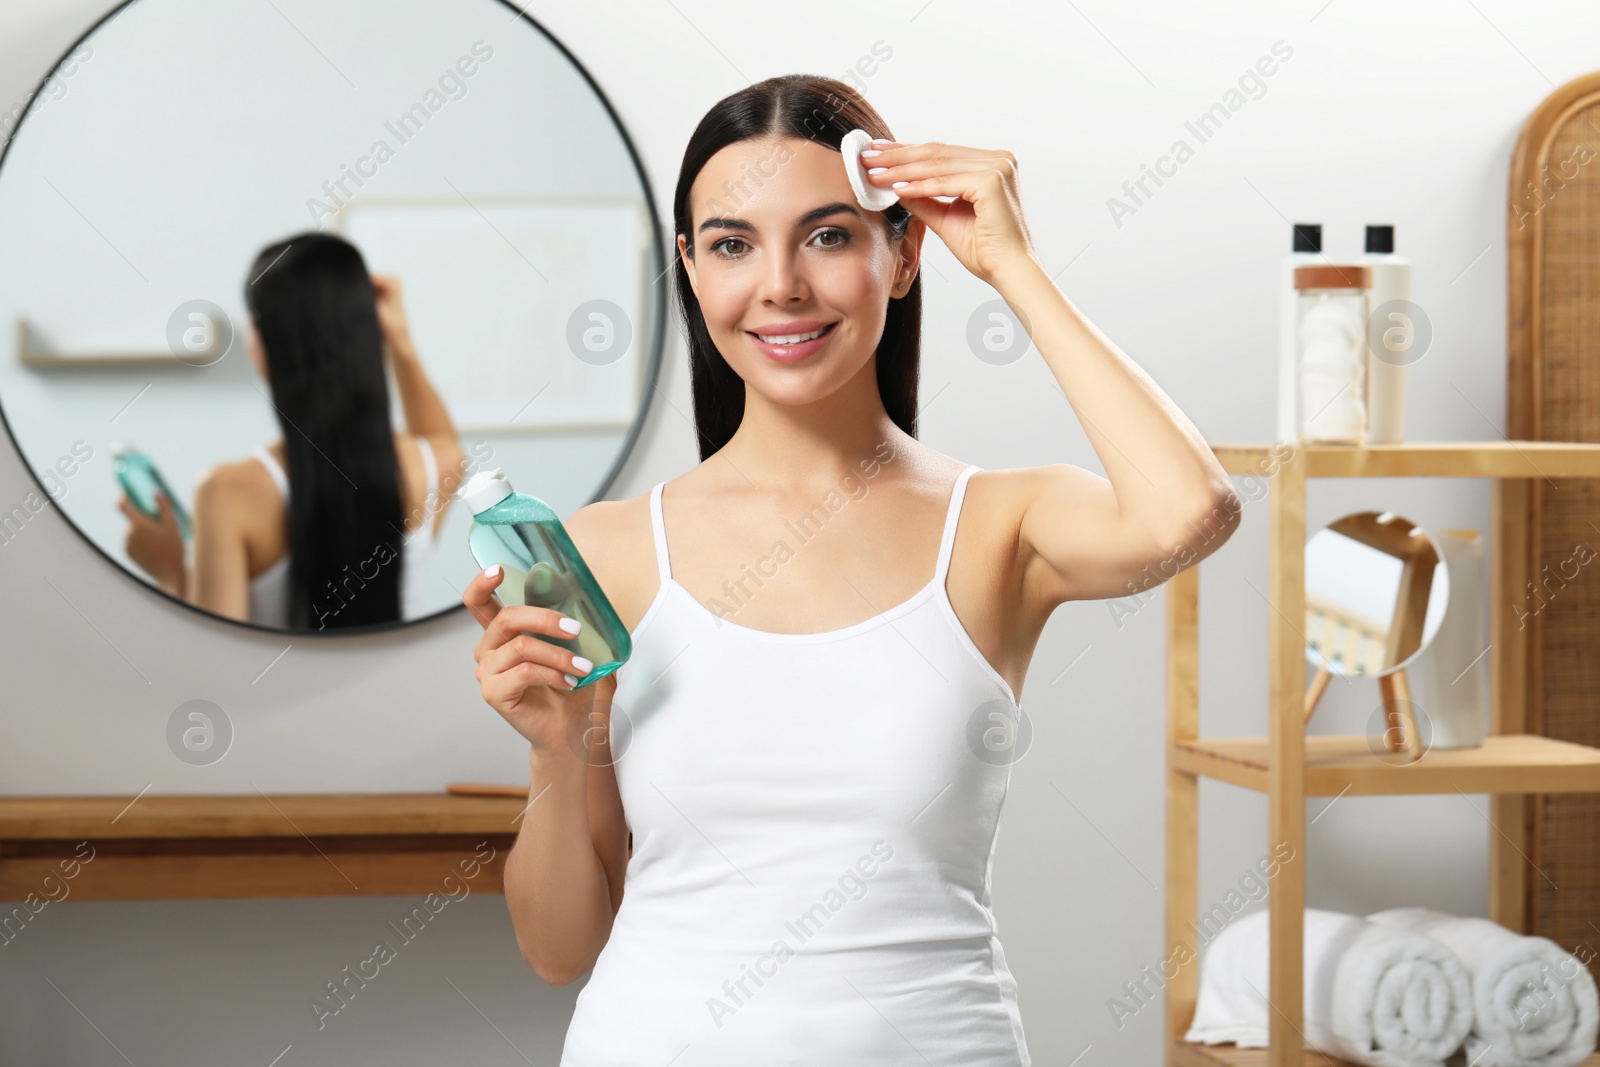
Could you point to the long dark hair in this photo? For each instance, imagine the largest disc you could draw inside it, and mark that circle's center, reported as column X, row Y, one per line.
column 315, row 311
column 821, row 110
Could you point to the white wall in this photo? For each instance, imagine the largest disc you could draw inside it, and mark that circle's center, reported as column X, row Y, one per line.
column 1384, row 113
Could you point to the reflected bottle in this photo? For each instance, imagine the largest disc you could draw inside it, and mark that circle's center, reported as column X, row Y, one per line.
column 543, row 569
column 140, row 479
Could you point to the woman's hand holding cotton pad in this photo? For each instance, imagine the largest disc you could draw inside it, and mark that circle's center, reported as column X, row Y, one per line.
column 868, row 195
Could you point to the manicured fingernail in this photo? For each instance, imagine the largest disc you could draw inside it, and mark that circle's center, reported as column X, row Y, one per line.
column 871, row 152
column 897, row 185
column 492, row 572
column 582, row 665
column 572, row 626
column 876, row 170
column 571, row 681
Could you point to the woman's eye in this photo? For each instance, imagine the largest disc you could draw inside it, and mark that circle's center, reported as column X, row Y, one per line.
column 829, row 238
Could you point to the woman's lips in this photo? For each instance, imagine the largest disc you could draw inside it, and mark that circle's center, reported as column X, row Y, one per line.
column 793, row 353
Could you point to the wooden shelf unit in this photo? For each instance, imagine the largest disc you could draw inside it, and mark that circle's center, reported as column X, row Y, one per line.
column 156, row 847
column 1288, row 766
column 1507, row 763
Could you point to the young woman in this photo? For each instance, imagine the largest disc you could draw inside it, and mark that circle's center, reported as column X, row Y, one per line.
column 800, row 741
column 331, row 525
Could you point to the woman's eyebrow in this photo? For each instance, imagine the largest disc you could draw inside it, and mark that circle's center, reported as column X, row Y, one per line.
column 809, row 217
column 823, row 212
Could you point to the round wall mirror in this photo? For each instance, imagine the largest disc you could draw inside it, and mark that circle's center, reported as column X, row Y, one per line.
column 276, row 278
column 1375, row 594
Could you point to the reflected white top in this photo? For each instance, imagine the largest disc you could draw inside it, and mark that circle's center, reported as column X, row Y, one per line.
column 269, row 590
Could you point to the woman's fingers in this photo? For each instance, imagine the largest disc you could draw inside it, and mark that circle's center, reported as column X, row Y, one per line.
column 136, row 515
column 502, row 622
column 962, row 186
column 479, row 595
column 982, row 224
column 902, row 153
column 936, row 169
column 504, row 690
column 515, row 619
column 553, row 662
column 917, row 170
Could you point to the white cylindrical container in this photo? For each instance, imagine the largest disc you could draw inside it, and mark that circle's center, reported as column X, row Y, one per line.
column 1305, row 248
column 1390, row 336
column 1331, row 334
column 1453, row 671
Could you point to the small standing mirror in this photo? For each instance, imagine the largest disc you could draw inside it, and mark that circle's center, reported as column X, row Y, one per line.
column 1375, row 597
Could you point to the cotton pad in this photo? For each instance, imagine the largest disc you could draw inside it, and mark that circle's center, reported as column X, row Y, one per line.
column 868, row 195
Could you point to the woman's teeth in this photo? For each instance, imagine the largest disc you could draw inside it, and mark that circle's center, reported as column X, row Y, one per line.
column 791, row 338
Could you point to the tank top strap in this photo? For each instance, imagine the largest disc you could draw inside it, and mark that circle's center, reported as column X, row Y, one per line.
column 659, row 527
column 269, row 461
column 948, row 540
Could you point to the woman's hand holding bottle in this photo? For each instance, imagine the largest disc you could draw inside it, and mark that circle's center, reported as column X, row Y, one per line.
column 156, row 544
column 528, row 681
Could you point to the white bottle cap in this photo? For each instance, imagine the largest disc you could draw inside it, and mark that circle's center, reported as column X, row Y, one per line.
column 484, row 490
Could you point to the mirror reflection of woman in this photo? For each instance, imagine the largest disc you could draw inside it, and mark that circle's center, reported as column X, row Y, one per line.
column 331, row 525
column 767, row 838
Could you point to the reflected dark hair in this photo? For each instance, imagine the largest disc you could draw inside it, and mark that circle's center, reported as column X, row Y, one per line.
column 316, row 313
column 821, row 110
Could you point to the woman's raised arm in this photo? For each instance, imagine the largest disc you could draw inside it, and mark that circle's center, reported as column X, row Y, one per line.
column 426, row 414
column 1167, row 500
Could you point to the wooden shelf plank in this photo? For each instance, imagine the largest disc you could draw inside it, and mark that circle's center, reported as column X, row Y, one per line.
column 326, row 873
column 1512, row 763
column 1187, row 1055
column 1428, row 459
column 255, row 815
column 252, row 845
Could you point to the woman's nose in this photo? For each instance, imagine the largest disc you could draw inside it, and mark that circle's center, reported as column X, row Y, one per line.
column 783, row 280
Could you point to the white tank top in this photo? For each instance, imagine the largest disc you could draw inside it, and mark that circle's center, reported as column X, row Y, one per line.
column 813, row 829
column 269, row 590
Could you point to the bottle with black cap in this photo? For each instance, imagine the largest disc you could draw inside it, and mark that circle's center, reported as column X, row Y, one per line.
column 1306, row 248
column 1391, row 336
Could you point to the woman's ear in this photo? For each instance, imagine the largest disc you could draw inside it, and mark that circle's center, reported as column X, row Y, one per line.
column 688, row 263
column 910, row 257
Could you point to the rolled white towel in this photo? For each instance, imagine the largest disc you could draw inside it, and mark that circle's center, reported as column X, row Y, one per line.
column 1373, row 994
column 1533, row 1002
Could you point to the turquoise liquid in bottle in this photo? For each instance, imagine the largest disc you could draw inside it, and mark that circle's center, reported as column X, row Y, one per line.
column 140, row 479
column 543, row 568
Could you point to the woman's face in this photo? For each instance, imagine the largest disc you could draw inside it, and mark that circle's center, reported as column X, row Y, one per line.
column 781, row 247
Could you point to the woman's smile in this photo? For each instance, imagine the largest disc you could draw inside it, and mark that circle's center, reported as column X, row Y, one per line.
column 791, row 342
